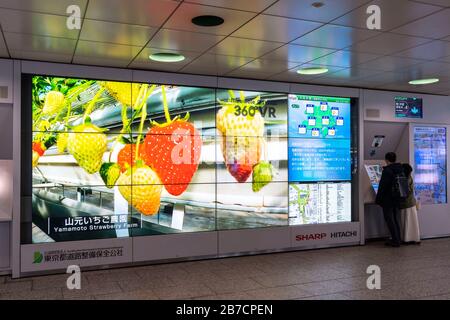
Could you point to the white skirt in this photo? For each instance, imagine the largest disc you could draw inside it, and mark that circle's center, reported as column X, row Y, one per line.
column 410, row 225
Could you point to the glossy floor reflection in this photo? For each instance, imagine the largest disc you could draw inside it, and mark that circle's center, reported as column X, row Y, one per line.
column 409, row 272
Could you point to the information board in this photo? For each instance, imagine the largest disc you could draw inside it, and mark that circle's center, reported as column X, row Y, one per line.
column 319, row 139
column 319, row 203
column 430, row 158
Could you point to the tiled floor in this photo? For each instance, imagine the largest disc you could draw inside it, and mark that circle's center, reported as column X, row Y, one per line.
column 409, row 272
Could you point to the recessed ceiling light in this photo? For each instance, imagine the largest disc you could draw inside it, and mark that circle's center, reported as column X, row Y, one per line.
column 317, row 4
column 312, row 70
column 423, row 81
column 207, row 21
column 166, row 57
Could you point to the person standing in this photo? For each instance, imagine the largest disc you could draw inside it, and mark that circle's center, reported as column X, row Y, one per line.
column 386, row 199
column 408, row 211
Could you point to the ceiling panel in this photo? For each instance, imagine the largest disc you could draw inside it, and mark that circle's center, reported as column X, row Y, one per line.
column 105, row 50
column 118, row 33
column 297, row 53
column 255, row 74
column 18, row 41
column 349, row 74
column 445, row 59
column 393, row 13
column 428, row 51
column 387, row 43
column 272, row 28
column 435, row 26
column 253, row 5
column 95, row 61
column 304, row 10
column 292, row 75
column 215, row 64
column 345, row 58
column 390, row 63
column 428, row 70
column 335, row 37
column 36, row 23
column 3, row 51
column 183, row 40
column 181, row 19
column 268, row 66
column 41, row 56
column 151, row 13
column 385, row 78
column 44, row 6
column 239, row 47
column 143, row 62
column 430, row 88
column 443, row 3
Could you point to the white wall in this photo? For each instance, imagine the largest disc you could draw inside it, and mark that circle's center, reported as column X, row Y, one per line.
column 6, row 76
column 6, row 166
column 436, row 108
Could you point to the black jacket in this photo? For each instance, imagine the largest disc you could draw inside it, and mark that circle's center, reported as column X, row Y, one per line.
column 384, row 195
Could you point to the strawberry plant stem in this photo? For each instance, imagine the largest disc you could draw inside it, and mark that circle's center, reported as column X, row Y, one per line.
column 143, row 117
column 91, row 104
column 166, row 106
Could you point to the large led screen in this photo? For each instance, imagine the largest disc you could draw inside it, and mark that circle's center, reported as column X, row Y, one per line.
column 115, row 159
column 430, row 164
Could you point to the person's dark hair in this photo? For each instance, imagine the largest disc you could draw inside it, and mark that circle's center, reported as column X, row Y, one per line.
column 391, row 157
column 407, row 169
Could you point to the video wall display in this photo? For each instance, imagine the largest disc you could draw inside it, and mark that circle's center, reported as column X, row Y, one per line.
column 116, row 159
column 430, row 164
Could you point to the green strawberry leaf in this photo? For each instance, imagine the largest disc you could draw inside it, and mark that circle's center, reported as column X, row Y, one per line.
column 110, row 172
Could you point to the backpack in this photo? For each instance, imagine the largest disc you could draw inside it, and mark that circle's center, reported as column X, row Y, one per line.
column 400, row 186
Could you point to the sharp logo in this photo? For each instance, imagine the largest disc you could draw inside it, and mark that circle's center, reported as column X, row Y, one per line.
column 310, row 236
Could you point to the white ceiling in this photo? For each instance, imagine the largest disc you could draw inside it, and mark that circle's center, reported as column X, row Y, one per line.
column 260, row 39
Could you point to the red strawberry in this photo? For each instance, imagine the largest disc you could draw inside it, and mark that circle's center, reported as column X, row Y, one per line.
column 38, row 147
column 127, row 156
column 173, row 150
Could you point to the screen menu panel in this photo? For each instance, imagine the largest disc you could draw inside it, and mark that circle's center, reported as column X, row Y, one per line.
column 319, row 139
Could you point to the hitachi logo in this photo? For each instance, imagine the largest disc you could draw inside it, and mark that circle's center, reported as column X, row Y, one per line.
column 310, row 236
column 344, row 234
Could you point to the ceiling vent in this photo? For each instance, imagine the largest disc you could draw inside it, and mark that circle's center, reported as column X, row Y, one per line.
column 3, row 92
column 372, row 113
